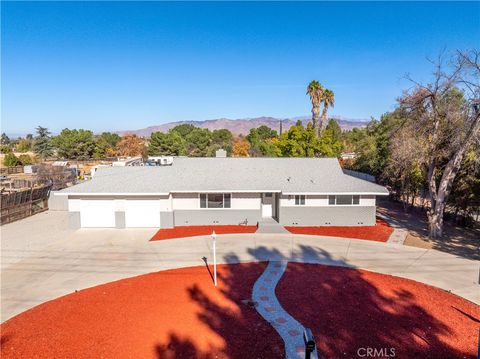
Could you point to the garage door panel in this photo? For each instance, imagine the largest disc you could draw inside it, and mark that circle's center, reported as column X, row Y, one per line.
column 97, row 213
column 142, row 213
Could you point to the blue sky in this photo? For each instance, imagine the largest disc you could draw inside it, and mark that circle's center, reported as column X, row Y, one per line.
column 122, row 65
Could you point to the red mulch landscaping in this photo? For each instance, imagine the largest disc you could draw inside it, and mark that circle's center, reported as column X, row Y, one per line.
column 169, row 314
column 180, row 314
column 350, row 309
column 192, row 231
column 380, row 232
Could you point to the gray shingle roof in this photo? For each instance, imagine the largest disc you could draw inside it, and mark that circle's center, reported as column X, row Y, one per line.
column 289, row 175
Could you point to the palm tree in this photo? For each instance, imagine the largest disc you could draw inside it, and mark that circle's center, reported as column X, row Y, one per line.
column 315, row 91
column 328, row 100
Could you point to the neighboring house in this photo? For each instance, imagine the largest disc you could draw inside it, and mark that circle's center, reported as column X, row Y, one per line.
column 203, row 191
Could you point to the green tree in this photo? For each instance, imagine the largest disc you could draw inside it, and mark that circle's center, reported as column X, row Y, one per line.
column 166, row 144
column 183, row 129
column 5, row 149
column 330, row 142
column 75, row 144
column 10, row 160
column 43, row 143
column 373, row 143
column 24, row 145
column 197, row 142
column 105, row 144
column 315, row 91
column 26, row 159
column 465, row 196
column 4, row 140
column 261, row 143
column 220, row 139
column 299, row 141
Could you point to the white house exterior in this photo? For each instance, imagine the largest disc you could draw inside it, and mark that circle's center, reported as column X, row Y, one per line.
column 205, row 191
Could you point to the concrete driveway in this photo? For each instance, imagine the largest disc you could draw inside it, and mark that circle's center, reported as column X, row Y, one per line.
column 41, row 259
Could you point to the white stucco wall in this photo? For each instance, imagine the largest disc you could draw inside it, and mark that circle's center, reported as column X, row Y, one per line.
column 164, row 203
column 188, row 201
column 246, row 200
column 321, row 201
column 185, row 201
column 74, row 205
column 367, row 201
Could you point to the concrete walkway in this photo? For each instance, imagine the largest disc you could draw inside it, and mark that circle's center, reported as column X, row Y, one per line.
column 399, row 233
column 269, row 225
column 42, row 260
column 271, row 310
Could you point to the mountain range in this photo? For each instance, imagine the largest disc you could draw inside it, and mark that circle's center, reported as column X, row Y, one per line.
column 242, row 126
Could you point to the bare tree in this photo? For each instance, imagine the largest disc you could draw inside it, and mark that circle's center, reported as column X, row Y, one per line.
column 446, row 116
column 405, row 168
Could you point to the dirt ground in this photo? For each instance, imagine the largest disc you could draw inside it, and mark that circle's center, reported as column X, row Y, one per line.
column 168, row 314
column 461, row 241
column 379, row 233
column 349, row 309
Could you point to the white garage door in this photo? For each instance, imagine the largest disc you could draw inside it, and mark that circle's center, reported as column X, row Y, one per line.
column 142, row 213
column 97, row 213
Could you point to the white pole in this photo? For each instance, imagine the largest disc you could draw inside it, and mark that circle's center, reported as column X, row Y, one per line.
column 214, row 237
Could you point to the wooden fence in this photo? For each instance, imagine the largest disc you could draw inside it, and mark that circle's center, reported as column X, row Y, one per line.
column 20, row 204
column 11, row 170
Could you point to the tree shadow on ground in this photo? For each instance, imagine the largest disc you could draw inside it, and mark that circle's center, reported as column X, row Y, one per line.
column 457, row 240
column 347, row 309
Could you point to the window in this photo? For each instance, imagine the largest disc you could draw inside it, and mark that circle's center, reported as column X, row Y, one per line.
column 343, row 200
column 227, row 200
column 215, row 200
column 299, row 200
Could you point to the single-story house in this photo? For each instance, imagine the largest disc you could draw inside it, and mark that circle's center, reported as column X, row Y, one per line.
column 205, row 191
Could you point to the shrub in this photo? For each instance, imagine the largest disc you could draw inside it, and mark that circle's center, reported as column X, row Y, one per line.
column 11, row 160
column 26, row 160
column 5, row 149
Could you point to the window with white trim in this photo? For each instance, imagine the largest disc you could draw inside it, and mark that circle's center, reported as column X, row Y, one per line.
column 215, row 200
column 343, row 200
column 299, row 200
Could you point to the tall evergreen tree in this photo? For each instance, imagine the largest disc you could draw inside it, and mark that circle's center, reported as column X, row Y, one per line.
column 43, row 143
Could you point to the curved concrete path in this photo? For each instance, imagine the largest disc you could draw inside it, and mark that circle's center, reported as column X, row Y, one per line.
column 42, row 260
column 271, row 310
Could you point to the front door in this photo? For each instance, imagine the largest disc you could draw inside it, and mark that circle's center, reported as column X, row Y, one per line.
column 268, row 204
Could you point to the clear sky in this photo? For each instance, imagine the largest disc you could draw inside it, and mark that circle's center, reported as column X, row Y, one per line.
column 122, row 65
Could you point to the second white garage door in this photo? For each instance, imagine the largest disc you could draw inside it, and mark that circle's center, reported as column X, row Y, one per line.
column 97, row 213
column 142, row 213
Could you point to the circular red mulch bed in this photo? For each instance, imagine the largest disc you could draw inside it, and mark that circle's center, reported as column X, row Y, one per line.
column 380, row 232
column 192, row 231
column 352, row 310
column 169, row 314
column 179, row 314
